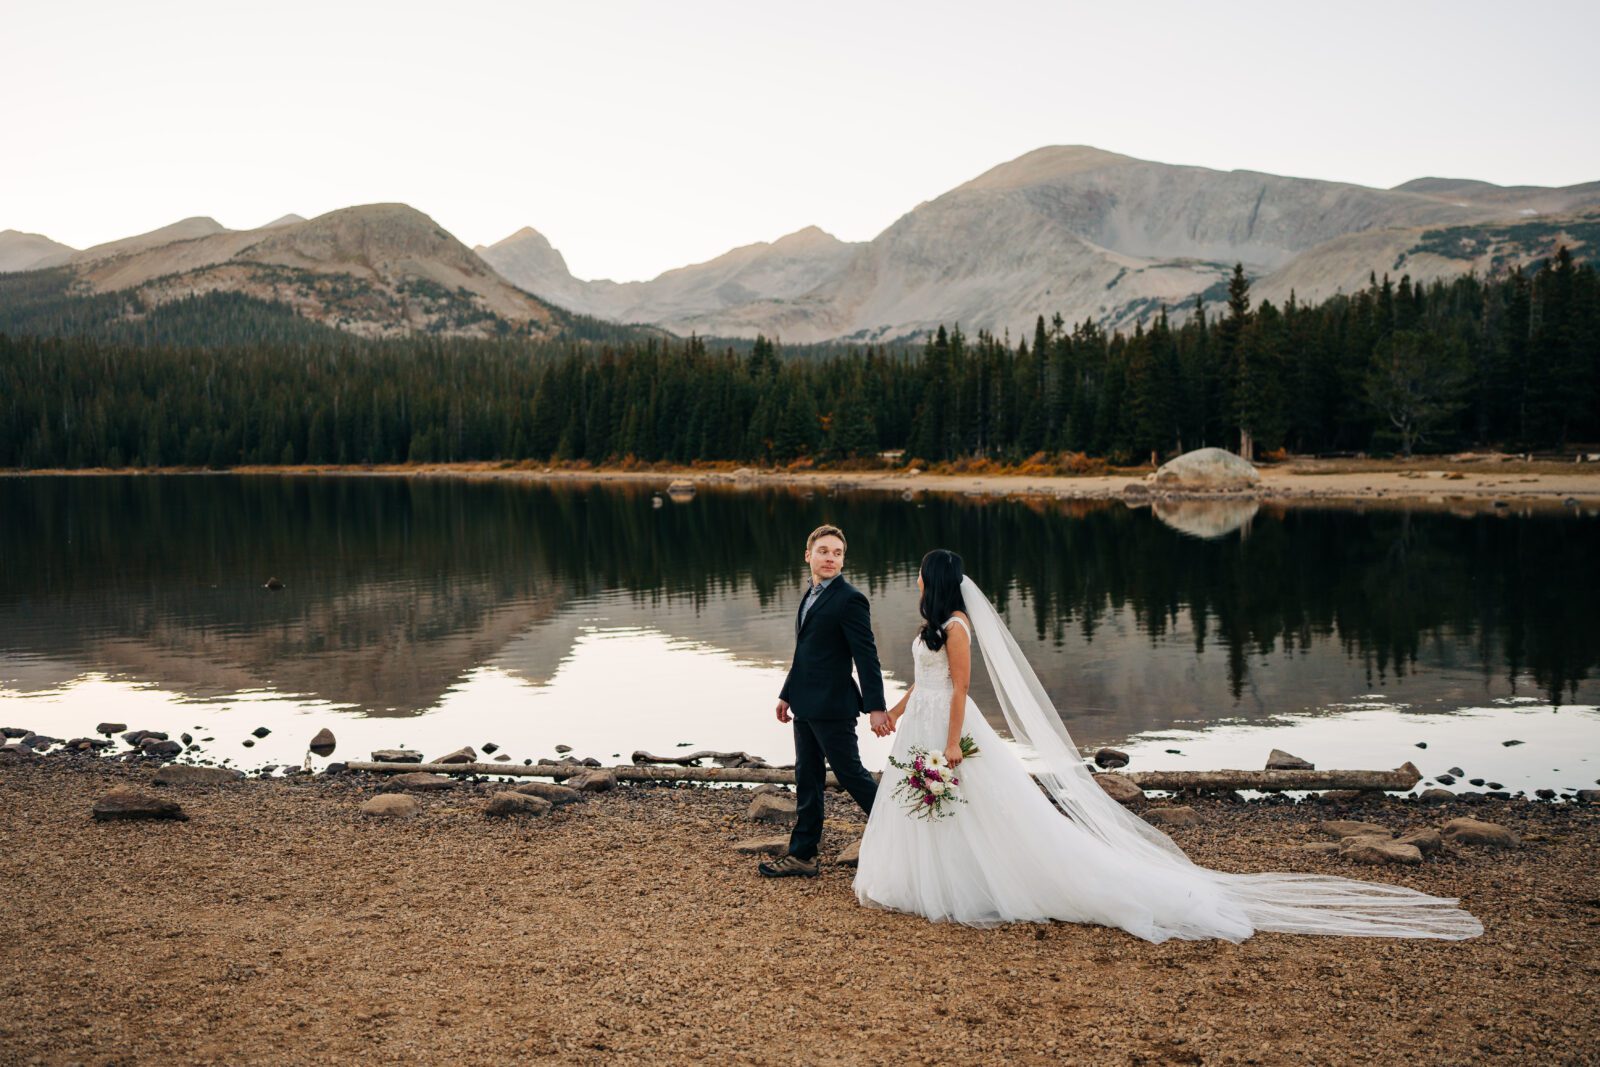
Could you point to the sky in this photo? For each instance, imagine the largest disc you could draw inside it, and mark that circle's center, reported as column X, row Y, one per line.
column 643, row 136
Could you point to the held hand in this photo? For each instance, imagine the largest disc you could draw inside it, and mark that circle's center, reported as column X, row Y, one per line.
column 952, row 754
column 881, row 724
column 783, row 711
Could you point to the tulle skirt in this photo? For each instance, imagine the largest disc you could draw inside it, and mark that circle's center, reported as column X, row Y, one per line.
column 1009, row 855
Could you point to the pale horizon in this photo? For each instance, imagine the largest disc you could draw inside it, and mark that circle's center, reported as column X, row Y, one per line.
column 639, row 139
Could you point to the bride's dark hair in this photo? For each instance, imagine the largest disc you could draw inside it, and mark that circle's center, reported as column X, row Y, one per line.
column 941, row 594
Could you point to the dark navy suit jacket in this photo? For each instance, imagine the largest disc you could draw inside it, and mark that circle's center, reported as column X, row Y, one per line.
column 836, row 633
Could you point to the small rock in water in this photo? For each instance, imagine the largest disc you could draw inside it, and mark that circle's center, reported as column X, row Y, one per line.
column 1508, row 744
column 590, row 761
column 133, row 737
column 186, row 738
column 125, row 803
column 464, row 754
column 1477, row 781
column 490, row 748
column 109, row 728
column 249, row 743
column 1280, row 760
column 1496, row 785
column 1589, row 796
column 1457, row 771
column 1437, row 794
column 324, row 743
column 502, row 758
column 1422, row 744
column 562, row 749
column 150, row 746
column 1174, row 751
column 396, row 755
column 260, row 731
column 1111, row 758
column 1545, row 794
column 1447, row 779
column 272, row 584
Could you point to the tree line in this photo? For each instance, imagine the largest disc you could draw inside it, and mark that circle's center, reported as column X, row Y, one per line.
column 1512, row 361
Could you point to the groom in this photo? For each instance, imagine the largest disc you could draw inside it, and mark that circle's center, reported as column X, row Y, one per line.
column 833, row 628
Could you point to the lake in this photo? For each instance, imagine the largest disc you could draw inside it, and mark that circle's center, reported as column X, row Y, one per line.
column 435, row 612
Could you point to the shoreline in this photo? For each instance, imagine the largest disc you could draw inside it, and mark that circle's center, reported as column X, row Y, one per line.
column 1439, row 481
column 279, row 924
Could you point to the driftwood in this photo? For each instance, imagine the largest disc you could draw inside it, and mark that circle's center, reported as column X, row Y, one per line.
column 1397, row 780
column 725, row 759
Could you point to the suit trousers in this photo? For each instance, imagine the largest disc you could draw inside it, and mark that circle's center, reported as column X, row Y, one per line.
column 819, row 744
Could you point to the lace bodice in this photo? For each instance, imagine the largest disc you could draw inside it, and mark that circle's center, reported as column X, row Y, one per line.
column 931, row 670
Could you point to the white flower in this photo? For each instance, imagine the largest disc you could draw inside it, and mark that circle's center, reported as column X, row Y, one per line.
column 936, row 759
column 937, row 788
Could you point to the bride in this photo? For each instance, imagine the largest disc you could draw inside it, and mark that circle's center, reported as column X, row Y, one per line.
column 1008, row 852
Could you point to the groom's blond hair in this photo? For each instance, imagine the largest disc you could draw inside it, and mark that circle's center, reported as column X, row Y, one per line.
column 827, row 531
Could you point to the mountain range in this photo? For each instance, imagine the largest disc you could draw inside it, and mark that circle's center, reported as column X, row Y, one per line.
column 1070, row 229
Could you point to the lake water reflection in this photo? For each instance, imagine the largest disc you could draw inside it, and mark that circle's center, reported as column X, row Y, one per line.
column 440, row 612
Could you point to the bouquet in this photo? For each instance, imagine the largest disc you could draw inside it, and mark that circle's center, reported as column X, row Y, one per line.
column 929, row 786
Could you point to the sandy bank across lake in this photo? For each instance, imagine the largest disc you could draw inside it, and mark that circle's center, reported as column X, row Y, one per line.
column 278, row 925
column 1436, row 480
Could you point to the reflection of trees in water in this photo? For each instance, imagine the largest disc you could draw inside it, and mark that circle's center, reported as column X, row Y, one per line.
column 421, row 563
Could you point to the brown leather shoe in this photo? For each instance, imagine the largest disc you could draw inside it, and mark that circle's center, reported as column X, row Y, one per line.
column 788, row 866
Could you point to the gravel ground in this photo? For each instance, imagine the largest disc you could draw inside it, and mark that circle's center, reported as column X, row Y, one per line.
column 278, row 925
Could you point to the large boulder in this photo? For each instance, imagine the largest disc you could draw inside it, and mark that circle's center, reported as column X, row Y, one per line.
column 1279, row 760
column 1207, row 469
column 1110, row 758
column 1473, row 832
column 323, row 744
column 151, row 746
column 125, row 803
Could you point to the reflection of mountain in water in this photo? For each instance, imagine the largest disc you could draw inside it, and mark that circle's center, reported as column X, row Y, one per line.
column 397, row 588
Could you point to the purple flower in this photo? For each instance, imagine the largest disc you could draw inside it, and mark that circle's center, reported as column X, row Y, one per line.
column 930, row 799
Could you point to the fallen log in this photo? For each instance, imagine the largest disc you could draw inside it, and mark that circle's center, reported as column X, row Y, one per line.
column 558, row 771
column 1398, row 780
column 688, row 759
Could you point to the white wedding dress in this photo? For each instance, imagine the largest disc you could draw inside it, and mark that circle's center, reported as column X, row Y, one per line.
column 1016, row 852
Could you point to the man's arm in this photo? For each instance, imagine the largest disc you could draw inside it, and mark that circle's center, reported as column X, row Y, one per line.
column 857, row 624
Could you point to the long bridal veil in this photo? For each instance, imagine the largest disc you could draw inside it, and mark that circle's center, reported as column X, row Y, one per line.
column 1281, row 901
